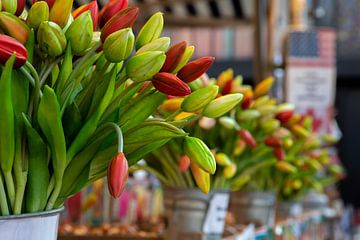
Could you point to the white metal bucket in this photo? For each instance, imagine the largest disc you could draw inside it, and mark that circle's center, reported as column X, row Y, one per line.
column 32, row 226
column 253, row 207
column 194, row 215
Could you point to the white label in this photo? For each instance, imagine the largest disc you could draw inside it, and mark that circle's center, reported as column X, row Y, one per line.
column 215, row 218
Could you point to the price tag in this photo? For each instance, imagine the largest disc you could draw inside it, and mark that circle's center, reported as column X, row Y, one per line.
column 215, row 218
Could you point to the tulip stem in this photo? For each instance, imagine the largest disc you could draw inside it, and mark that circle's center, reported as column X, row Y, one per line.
column 119, row 135
column 173, row 115
column 3, row 202
column 46, row 73
column 37, row 88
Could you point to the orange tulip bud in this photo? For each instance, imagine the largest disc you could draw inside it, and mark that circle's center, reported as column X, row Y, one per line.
column 94, row 11
column 61, row 11
column 202, row 178
column 263, row 87
column 171, row 105
column 184, row 163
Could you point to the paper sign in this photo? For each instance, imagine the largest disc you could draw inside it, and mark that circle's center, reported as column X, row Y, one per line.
column 215, row 218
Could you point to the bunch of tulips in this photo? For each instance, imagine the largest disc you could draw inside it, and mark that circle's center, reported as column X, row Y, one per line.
column 257, row 144
column 78, row 103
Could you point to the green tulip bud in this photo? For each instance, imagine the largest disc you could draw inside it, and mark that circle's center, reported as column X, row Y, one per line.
column 119, row 45
column 9, row 6
column 270, row 125
column 200, row 154
column 80, row 33
column 199, row 99
column 196, row 85
column 229, row 123
column 151, row 30
column 38, row 13
column 160, row 44
column 222, row 159
column 222, row 105
column 248, row 114
column 144, row 66
column 266, row 109
column 51, row 38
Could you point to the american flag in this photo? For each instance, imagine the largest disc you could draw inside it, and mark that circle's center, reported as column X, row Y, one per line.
column 314, row 48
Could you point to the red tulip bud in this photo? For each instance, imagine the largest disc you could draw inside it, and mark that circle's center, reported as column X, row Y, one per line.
column 94, row 11
column 49, row 2
column 285, row 116
column 117, row 175
column 110, row 9
column 279, row 153
column 170, row 84
column 184, row 163
column 195, row 69
column 272, row 142
column 9, row 46
column 227, row 87
column 174, row 56
column 245, row 104
column 248, row 138
column 123, row 19
column 20, row 7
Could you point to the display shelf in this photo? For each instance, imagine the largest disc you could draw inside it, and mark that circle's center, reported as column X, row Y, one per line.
column 346, row 68
column 310, row 224
column 86, row 237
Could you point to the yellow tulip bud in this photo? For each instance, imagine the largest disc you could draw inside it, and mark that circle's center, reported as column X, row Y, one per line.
column 263, row 87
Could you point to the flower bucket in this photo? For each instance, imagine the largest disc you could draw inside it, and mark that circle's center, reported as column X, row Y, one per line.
column 286, row 210
column 33, row 226
column 315, row 201
column 253, row 207
column 194, row 215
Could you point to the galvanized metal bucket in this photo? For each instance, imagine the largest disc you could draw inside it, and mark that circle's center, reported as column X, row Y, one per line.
column 193, row 215
column 286, row 210
column 315, row 201
column 253, row 207
column 33, row 226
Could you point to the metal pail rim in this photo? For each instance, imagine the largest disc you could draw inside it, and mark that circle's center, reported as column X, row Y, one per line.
column 33, row 215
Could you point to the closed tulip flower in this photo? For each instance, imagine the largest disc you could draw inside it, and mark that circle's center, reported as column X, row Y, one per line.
column 119, row 45
column 50, row 3
column 14, row 27
column 195, row 69
column 144, row 66
column 9, row 46
column 110, row 9
column 94, row 11
column 117, row 175
column 170, row 84
column 61, row 11
column 174, row 56
column 51, row 39
column 80, row 33
column 38, row 13
column 123, row 19
column 20, row 7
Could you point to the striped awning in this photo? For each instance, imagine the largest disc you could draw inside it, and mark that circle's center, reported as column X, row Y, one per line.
column 192, row 12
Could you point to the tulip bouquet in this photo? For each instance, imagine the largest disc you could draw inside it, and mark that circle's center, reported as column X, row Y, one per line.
column 257, row 144
column 75, row 101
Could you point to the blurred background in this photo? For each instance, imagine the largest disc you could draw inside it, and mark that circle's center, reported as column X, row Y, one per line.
column 261, row 38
